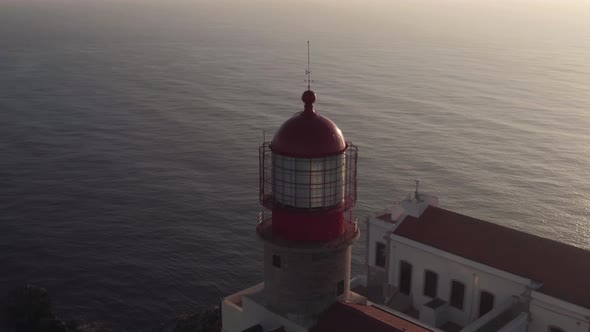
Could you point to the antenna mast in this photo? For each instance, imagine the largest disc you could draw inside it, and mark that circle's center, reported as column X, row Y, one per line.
column 308, row 71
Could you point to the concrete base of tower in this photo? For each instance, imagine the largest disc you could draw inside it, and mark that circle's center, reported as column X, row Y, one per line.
column 303, row 279
column 300, row 284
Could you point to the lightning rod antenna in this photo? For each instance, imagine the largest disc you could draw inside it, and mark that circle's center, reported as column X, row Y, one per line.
column 308, row 71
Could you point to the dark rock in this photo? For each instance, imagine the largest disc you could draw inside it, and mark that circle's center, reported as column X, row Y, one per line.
column 205, row 321
column 29, row 309
column 56, row 326
column 82, row 326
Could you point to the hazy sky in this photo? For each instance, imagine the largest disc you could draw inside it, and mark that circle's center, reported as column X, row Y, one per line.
column 526, row 20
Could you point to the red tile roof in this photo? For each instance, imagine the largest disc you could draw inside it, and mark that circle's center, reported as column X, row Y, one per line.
column 351, row 317
column 564, row 270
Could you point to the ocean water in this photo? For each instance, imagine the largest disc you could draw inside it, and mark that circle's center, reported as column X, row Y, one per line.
column 129, row 132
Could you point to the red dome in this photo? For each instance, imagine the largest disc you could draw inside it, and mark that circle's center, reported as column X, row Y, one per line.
column 308, row 134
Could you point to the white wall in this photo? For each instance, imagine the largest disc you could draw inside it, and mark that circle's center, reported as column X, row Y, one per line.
column 238, row 318
column 474, row 276
column 519, row 324
column 377, row 231
column 490, row 316
column 255, row 313
column 232, row 314
column 548, row 311
column 231, row 317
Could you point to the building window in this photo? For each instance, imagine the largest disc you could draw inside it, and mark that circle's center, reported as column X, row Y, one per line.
column 555, row 329
column 430, row 283
column 380, row 254
column 405, row 277
column 276, row 261
column 340, row 288
column 457, row 294
column 486, row 302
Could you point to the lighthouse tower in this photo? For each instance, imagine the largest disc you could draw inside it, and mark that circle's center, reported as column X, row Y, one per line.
column 307, row 191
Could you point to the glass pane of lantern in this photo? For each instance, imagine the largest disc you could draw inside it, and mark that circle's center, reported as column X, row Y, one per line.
column 309, row 183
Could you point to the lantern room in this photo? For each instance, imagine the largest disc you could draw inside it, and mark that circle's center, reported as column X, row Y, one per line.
column 308, row 177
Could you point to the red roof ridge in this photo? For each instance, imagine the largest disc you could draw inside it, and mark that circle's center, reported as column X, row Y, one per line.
column 506, row 227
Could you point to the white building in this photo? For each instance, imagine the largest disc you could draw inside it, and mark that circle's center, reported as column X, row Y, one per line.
column 458, row 273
